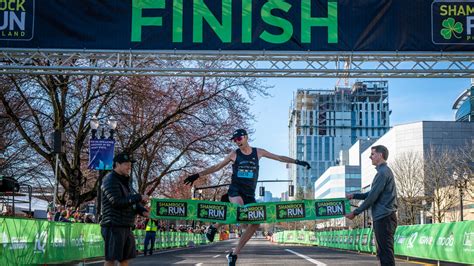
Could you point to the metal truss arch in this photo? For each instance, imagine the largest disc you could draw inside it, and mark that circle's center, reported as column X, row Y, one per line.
column 262, row 64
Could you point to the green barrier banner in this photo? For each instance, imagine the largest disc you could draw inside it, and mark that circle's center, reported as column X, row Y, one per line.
column 256, row 213
column 451, row 242
column 28, row 241
column 446, row 242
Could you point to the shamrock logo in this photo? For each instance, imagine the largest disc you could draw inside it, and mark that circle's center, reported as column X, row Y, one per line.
column 163, row 210
column 450, row 28
column 243, row 216
column 322, row 211
column 282, row 213
column 203, row 213
column 232, row 208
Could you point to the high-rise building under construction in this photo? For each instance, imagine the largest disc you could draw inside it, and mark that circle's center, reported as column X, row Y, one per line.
column 324, row 124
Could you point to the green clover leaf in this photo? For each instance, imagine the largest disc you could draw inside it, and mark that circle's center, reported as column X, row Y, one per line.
column 322, row 211
column 282, row 213
column 450, row 28
column 243, row 216
column 203, row 213
column 163, row 210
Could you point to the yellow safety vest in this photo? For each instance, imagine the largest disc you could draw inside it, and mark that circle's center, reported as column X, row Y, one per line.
column 151, row 228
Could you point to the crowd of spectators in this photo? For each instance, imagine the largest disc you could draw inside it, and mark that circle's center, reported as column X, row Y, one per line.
column 70, row 215
column 164, row 226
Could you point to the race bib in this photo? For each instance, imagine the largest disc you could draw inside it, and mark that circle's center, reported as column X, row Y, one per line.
column 245, row 174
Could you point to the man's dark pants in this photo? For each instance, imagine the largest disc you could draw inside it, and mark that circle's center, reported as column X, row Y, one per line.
column 149, row 236
column 384, row 230
column 119, row 243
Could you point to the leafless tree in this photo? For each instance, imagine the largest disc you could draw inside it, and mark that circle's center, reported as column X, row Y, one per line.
column 439, row 165
column 189, row 129
column 38, row 105
column 408, row 171
column 166, row 121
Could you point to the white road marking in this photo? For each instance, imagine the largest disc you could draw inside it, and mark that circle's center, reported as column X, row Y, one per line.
column 306, row 258
column 199, row 264
column 216, row 256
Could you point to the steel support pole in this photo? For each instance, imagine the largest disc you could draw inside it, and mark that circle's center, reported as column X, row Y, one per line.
column 56, row 182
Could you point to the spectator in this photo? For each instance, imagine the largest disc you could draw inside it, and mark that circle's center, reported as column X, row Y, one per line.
column 89, row 218
column 120, row 205
column 150, row 235
column 62, row 217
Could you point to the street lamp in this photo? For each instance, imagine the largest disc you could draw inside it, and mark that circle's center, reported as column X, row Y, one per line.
column 461, row 183
column 95, row 125
column 112, row 123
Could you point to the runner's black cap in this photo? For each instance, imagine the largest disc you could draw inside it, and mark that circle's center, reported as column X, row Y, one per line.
column 239, row 133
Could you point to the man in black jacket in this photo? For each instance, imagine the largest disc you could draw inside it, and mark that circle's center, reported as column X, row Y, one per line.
column 120, row 205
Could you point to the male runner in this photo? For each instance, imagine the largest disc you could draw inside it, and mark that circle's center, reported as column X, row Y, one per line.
column 244, row 180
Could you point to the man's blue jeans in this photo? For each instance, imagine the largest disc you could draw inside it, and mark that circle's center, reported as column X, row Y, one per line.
column 149, row 237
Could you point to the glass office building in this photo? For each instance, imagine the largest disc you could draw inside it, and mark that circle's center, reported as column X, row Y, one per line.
column 324, row 124
column 338, row 181
column 464, row 105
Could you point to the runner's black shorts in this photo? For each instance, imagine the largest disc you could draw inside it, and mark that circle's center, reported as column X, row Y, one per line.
column 247, row 198
column 119, row 243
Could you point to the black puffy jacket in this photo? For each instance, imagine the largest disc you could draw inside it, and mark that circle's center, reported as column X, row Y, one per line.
column 119, row 206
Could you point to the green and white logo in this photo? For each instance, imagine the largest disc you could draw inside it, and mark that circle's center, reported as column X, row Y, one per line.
column 452, row 22
column 330, row 208
column 468, row 241
column 290, row 211
column 411, row 240
column 451, row 29
column 252, row 214
column 41, row 239
column 172, row 209
column 212, row 211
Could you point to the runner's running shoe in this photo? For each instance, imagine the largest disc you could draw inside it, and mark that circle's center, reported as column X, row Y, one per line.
column 211, row 233
column 231, row 258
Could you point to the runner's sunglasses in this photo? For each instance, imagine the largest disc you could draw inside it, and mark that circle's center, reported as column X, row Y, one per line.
column 237, row 139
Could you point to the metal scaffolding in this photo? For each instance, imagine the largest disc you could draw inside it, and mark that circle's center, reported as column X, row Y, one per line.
column 262, row 64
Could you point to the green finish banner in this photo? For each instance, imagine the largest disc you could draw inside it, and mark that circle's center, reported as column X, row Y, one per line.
column 451, row 242
column 28, row 241
column 255, row 213
column 239, row 25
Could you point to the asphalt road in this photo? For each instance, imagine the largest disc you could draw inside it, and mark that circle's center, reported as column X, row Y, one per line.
column 258, row 252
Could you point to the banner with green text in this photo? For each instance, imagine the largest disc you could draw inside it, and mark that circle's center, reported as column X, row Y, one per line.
column 451, row 242
column 239, row 25
column 256, row 213
column 29, row 242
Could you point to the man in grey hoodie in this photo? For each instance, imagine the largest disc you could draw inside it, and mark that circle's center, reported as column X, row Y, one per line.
column 382, row 198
